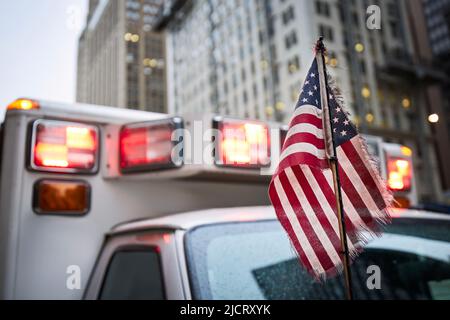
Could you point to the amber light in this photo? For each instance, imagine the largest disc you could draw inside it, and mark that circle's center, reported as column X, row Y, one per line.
column 23, row 104
column 401, row 202
column 406, row 151
column 399, row 174
column 61, row 197
column 242, row 143
column 64, row 146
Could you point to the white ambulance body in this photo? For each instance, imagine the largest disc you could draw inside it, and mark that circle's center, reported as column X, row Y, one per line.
column 70, row 173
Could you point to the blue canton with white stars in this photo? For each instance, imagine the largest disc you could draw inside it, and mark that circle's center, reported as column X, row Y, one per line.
column 310, row 93
column 343, row 129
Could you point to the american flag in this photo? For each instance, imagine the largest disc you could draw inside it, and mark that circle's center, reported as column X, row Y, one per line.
column 302, row 189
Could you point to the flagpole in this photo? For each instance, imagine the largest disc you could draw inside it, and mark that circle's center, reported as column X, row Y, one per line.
column 337, row 188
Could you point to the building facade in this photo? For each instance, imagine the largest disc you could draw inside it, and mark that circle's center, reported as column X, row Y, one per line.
column 120, row 59
column 438, row 22
column 243, row 58
column 247, row 58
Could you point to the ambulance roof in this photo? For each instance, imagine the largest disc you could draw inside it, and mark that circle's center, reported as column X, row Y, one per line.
column 189, row 220
column 89, row 112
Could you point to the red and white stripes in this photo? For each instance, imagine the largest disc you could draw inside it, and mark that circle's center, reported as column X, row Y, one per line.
column 303, row 196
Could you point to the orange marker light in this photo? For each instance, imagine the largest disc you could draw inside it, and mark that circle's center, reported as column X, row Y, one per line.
column 61, row 197
column 406, row 151
column 23, row 104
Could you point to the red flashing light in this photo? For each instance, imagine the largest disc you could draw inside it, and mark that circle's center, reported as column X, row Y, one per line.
column 64, row 146
column 242, row 143
column 399, row 174
column 149, row 145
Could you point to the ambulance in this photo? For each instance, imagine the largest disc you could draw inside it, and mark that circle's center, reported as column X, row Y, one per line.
column 111, row 203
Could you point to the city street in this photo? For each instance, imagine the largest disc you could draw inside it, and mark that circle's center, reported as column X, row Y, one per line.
column 237, row 150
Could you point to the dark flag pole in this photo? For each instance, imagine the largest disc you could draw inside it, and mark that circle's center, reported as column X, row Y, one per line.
column 337, row 186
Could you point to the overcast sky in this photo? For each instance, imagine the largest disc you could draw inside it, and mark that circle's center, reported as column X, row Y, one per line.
column 38, row 54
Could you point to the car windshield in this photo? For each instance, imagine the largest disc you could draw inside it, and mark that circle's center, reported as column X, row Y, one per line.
column 254, row 260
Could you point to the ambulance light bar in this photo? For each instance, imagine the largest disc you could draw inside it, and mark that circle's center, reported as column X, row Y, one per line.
column 151, row 145
column 60, row 146
column 241, row 143
column 399, row 173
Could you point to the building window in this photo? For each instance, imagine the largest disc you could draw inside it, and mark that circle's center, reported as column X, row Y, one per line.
column 392, row 10
column 243, row 75
column 275, row 73
column 355, row 18
column 363, row 66
column 323, row 8
column 326, row 32
column 395, row 30
column 293, row 65
column 291, row 39
column 288, row 15
column 234, row 81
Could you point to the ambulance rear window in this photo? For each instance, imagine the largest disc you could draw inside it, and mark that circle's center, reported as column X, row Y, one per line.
column 133, row 275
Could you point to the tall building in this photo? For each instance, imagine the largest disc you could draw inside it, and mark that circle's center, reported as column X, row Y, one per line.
column 120, row 59
column 243, row 58
column 438, row 22
column 247, row 58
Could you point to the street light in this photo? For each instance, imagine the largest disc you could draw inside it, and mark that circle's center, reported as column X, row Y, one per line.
column 333, row 62
column 406, row 103
column 433, row 118
column 365, row 92
column 280, row 106
column 359, row 47
column 134, row 38
column 269, row 111
column 127, row 36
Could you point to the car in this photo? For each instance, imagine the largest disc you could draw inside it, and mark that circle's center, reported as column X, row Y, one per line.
column 243, row 253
